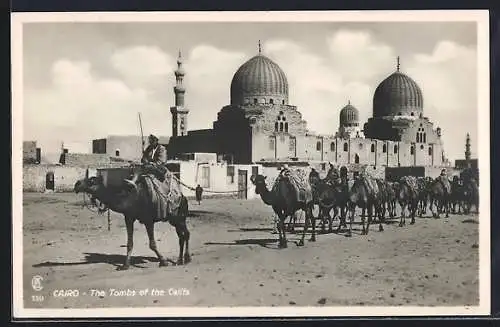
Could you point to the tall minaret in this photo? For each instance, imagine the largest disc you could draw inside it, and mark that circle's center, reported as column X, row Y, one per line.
column 467, row 150
column 179, row 112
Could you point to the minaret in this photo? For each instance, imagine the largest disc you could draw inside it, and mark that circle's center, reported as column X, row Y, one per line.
column 467, row 150
column 179, row 112
column 397, row 64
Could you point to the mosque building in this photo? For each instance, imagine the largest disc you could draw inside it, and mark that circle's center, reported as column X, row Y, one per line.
column 260, row 125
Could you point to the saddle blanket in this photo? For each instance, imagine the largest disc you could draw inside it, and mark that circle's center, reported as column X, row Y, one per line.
column 165, row 196
column 411, row 182
column 300, row 181
column 445, row 182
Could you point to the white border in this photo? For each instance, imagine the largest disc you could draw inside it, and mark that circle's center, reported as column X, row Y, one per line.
column 479, row 16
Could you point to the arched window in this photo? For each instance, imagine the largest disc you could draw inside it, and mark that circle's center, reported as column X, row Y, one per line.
column 425, row 137
column 412, row 150
column 418, row 137
column 286, row 127
column 372, row 148
column 255, row 101
column 395, row 148
column 332, row 146
column 271, row 101
column 384, row 148
column 318, row 146
column 276, row 126
column 356, row 159
column 282, row 101
column 412, row 114
column 281, row 127
column 345, row 146
column 117, row 153
column 430, row 150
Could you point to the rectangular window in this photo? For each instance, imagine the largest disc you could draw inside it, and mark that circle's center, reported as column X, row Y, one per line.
column 230, row 174
column 292, row 144
column 255, row 170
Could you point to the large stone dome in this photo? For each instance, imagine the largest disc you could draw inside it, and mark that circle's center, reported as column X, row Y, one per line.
column 349, row 116
column 259, row 80
column 398, row 95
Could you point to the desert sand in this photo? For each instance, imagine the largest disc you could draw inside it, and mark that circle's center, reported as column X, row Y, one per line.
column 236, row 262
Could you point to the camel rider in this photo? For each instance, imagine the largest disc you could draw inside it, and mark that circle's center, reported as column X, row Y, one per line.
column 153, row 160
column 332, row 175
column 443, row 177
column 314, row 178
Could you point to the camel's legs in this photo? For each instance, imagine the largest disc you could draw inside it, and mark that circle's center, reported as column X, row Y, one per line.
column 363, row 219
column 306, row 226
column 351, row 214
column 180, row 235
column 309, row 213
column 152, row 243
column 187, row 256
column 129, row 222
column 282, row 232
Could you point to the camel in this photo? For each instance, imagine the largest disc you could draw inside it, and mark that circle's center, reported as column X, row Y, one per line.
column 423, row 194
column 407, row 195
column 364, row 194
column 471, row 195
column 135, row 203
column 330, row 193
column 391, row 199
column 283, row 199
column 458, row 196
column 439, row 196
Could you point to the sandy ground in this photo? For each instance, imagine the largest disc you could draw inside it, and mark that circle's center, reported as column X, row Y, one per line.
column 236, row 261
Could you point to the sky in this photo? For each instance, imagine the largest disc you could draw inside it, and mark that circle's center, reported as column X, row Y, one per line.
column 88, row 80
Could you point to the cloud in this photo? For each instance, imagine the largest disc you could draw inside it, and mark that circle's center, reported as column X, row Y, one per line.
column 448, row 78
column 79, row 106
column 141, row 65
column 357, row 56
column 209, row 72
column 316, row 87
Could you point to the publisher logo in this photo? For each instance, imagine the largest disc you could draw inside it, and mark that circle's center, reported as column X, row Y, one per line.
column 36, row 283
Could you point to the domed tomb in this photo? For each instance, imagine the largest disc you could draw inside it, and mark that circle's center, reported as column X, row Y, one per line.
column 259, row 80
column 398, row 95
column 349, row 116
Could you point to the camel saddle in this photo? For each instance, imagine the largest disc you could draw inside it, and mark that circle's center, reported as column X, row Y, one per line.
column 445, row 182
column 411, row 182
column 299, row 181
column 371, row 185
column 165, row 195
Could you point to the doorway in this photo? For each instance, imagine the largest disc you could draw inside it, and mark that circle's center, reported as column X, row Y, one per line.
column 49, row 181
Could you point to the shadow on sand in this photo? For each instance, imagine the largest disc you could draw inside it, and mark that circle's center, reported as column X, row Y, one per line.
column 264, row 242
column 250, row 230
column 116, row 260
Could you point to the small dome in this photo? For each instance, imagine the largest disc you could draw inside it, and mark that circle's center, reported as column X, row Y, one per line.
column 349, row 115
column 259, row 80
column 398, row 95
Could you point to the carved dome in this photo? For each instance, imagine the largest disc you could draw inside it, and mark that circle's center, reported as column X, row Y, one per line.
column 398, row 95
column 349, row 115
column 259, row 80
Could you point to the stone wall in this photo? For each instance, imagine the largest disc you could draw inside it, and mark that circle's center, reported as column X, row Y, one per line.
column 29, row 151
column 34, row 177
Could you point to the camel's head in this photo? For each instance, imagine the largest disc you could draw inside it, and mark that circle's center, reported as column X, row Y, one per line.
column 259, row 181
column 87, row 184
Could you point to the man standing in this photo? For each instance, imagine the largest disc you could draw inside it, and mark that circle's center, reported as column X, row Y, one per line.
column 199, row 192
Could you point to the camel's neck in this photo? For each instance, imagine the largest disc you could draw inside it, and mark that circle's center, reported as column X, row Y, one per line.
column 266, row 195
column 113, row 200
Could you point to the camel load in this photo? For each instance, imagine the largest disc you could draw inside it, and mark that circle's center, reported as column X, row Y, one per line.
column 165, row 196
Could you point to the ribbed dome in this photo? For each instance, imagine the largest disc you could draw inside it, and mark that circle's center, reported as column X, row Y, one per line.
column 349, row 115
column 259, row 80
column 398, row 95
